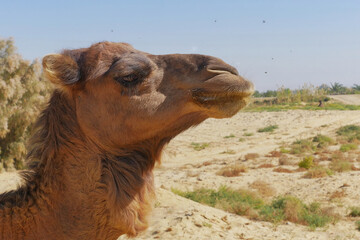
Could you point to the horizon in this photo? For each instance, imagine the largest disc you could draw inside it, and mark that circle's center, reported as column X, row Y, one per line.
column 273, row 44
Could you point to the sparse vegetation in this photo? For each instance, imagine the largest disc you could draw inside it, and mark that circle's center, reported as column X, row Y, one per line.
column 354, row 212
column 282, row 170
column 306, row 98
column 318, row 172
column 270, row 128
column 357, row 223
column 228, row 151
column 230, row 136
column 348, row 147
column 232, row 171
column 307, row 162
column 349, row 132
column 302, row 146
column 251, row 156
column 244, row 202
column 263, row 188
column 247, row 134
column 266, row 165
column 322, row 140
column 285, row 160
column 199, row 146
column 340, row 165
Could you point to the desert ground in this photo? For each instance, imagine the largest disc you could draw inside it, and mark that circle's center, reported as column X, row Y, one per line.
column 229, row 143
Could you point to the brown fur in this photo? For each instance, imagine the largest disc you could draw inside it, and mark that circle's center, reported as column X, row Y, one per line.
column 96, row 143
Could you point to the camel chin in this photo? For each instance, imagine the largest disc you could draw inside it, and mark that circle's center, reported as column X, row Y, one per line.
column 221, row 106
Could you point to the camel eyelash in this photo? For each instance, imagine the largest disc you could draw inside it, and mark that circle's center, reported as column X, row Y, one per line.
column 129, row 80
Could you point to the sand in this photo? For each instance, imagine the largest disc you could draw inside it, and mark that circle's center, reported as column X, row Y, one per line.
column 185, row 168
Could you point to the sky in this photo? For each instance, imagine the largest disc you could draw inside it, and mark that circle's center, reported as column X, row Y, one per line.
column 272, row 43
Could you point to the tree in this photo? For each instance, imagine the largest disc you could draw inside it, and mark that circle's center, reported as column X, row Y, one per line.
column 22, row 93
column 356, row 87
column 337, row 88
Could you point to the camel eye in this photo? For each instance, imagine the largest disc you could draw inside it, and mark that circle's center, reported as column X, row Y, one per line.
column 129, row 80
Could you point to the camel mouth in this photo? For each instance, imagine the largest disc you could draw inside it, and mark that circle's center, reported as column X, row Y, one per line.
column 221, row 104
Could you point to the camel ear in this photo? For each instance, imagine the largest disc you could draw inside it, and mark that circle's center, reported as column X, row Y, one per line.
column 61, row 69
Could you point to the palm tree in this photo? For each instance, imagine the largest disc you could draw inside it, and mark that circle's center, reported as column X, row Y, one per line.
column 337, row 88
column 356, row 87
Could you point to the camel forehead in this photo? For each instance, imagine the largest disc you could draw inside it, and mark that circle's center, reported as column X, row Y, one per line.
column 110, row 48
column 98, row 58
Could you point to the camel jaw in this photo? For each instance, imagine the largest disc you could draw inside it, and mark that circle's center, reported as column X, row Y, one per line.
column 221, row 104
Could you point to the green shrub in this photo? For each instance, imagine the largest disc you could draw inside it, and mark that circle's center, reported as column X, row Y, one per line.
column 355, row 212
column 243, row 202
column 347, row 147
column 357, row 223
column 322, row 140
column 199, row 146
column 268, row 128
column 23, row 92
column 230, row 136
column 350, row 132
column 302, row 146
column 307, row 162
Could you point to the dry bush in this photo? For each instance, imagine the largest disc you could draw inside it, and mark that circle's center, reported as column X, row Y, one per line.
column 251, row 156
column 207, row 163
column 341, row 165
column 266, row 165
column 263, row 188
column 354, row 168
column 282, row 170
column 337, row 195
column 317, row 172
column 274, row 154
column 231, row 171
column 292, row 209
column 323, row 157
column 285, row 160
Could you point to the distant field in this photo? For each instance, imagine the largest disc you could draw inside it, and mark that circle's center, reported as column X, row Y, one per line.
column 353, row 99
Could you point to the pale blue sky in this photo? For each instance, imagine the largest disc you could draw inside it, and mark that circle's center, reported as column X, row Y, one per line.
column 303, row 41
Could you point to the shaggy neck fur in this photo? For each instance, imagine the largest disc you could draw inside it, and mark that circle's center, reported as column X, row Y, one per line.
column 74, row 189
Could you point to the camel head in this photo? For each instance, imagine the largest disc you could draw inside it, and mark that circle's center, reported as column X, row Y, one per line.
column 123, row 96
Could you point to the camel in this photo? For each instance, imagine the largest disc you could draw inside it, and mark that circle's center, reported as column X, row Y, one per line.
column 96, row 143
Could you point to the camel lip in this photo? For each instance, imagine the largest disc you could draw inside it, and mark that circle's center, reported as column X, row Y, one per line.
column 217, row 98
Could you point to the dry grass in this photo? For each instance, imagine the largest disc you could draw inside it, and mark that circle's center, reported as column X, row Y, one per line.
column 231, row 171
column 282, row 170
column 285, row 160
column 251, row 156
column 207, row 163
column 266, row 165
column 263, row 188
column 338, row 194
column 341, row 165
column 318, row 172
column 274, row 154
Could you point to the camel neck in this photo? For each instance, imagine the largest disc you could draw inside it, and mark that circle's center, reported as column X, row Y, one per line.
column 71, row 183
